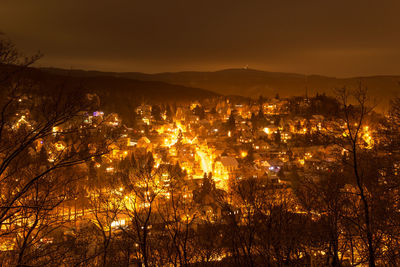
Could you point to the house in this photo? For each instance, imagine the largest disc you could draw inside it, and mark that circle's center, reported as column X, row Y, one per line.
column 144, row 142
column 225, row 166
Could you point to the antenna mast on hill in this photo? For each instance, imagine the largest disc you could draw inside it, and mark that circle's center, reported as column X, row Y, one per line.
column 306, row 82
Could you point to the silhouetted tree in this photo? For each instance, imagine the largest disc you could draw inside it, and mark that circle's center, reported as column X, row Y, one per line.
column 156, row 112
column 199, row 111
column 231, row 123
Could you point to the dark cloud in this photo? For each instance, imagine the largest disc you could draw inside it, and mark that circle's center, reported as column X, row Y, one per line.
column 326, row 37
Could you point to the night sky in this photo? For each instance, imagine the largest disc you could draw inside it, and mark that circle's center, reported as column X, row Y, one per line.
column 337, row 38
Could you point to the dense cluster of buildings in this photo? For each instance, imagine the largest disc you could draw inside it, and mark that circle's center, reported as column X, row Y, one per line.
column 215, row 143
column 235, row 140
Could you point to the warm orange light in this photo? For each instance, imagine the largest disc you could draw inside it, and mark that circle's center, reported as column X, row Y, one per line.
column 59, row 146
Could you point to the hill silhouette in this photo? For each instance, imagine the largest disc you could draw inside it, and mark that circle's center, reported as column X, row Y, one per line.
column 252, row 83
column 117, row 94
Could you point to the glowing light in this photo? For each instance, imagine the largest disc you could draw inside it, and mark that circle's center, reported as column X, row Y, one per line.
column 21, row 121
column 118, row 223
column 367, row 138
column 59, row 146
column 205, row 161
column 146, row 121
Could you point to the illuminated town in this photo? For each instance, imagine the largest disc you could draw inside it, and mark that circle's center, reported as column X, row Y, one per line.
column 199, row 133
column 183, row 167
